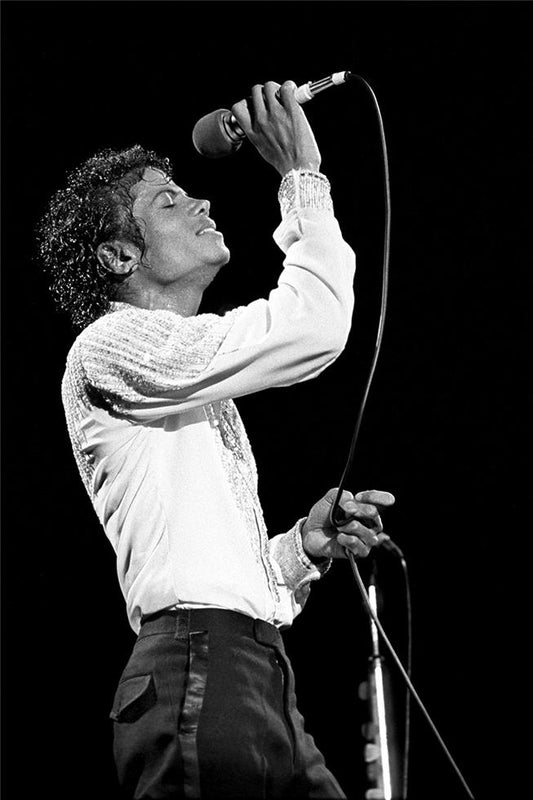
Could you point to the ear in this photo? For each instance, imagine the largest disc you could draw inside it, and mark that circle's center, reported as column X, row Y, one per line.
column 118, row 257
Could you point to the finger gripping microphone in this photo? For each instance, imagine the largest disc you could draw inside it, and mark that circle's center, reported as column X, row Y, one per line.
column 219, row 134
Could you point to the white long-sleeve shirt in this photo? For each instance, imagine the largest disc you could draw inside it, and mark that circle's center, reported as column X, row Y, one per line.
column 160, row 445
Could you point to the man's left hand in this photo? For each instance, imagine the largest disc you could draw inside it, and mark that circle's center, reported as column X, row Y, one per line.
column 362, row 531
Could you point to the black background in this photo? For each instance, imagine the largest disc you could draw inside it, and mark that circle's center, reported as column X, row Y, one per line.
column 446, row 425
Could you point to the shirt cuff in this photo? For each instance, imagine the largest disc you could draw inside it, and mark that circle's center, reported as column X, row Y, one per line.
column 303, row 188
column 295, row 565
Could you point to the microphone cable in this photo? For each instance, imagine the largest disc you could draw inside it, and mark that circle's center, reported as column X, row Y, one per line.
column 217, row 135
column 337, row 516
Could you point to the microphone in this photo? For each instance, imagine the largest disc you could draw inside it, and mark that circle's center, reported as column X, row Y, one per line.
column 219, row 134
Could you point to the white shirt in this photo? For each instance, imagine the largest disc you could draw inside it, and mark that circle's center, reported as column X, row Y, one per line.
column 159, row 442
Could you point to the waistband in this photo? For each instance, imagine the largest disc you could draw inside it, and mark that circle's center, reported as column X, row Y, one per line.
column 183, row 621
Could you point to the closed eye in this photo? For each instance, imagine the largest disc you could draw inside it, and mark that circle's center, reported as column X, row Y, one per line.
column 171, row 197
column 166, row 198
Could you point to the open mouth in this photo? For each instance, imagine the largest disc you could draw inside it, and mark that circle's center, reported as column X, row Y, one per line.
column 210, row 228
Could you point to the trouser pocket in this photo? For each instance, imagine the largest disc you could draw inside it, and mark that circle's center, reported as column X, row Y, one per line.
column 133, row 698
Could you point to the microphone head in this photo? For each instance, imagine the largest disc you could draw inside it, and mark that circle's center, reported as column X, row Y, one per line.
column 210, row 135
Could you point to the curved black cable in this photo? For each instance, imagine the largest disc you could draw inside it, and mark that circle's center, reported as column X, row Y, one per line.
column 337, row 516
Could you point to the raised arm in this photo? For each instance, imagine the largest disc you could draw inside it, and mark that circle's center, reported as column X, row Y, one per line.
column 146, row 363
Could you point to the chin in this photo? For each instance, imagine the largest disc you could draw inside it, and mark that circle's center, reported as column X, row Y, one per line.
column 223, row 257
column 211, row 268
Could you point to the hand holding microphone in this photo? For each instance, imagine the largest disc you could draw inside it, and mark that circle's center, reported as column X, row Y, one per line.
column 276, row 125
column 222, row 132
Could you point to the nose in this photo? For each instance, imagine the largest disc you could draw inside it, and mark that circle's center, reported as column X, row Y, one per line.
column 201, row 207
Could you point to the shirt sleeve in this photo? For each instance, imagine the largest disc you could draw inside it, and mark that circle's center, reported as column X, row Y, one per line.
column 295, row 571
column 148, row 363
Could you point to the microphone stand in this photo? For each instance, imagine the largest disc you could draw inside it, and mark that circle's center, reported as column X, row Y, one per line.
column 380, row 756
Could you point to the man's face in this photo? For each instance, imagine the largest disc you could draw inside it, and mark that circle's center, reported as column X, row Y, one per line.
column 181, row 243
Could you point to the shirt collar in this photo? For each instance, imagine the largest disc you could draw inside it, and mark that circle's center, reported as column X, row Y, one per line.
column 119, row 305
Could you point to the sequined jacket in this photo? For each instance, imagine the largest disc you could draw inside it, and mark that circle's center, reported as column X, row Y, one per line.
column 160, row 445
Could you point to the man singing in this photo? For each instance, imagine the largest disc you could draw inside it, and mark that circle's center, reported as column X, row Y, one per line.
column 205, row 706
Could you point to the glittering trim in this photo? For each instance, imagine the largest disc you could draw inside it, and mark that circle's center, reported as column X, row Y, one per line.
column 296, row 533
column 76, row 408
column 304, row 189
column 129, row 356
column 135, row 354
column 241, row 471
column 297, row 569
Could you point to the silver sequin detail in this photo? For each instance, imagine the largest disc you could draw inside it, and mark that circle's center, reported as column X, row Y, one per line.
column 241, row 471
column 116, row 354
column 304, row 189
column 111, row 363
column 76, row 407
column 135, row 353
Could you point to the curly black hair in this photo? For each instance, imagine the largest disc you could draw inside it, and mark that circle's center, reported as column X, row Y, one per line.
column 94, row 207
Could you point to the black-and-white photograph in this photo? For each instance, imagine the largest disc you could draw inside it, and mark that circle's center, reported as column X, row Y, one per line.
column 265, row 298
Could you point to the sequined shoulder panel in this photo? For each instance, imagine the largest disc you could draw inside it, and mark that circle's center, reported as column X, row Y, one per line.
column 135, row 354
column 77, row 406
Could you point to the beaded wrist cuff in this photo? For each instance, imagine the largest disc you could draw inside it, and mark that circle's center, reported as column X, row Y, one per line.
column 301, row 188
column 322, row 566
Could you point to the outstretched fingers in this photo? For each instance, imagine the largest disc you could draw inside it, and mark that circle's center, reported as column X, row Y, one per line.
column 363, row 528
column 376, row 497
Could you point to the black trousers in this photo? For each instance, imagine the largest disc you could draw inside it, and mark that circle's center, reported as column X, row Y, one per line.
column 206, row 709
